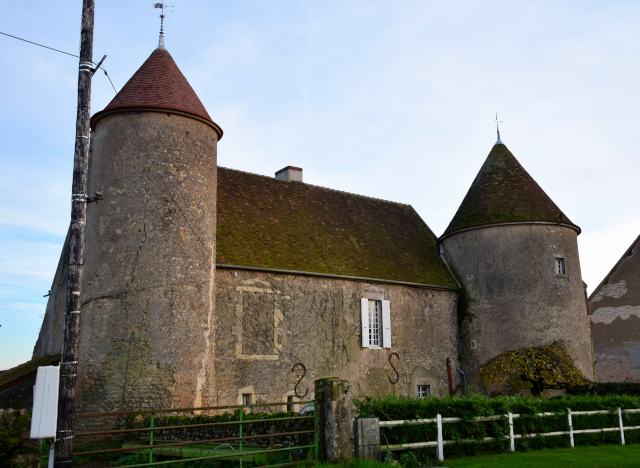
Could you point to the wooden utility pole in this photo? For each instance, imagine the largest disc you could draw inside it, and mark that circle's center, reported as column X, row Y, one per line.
column 69, row 361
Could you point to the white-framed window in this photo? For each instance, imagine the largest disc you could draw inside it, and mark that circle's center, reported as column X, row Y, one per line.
column 561, row 268
column 376, row 323
column 424, row 391
column 375, row 309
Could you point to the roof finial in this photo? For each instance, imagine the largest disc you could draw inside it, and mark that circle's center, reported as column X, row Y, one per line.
column 498, row 122
column 161, row 6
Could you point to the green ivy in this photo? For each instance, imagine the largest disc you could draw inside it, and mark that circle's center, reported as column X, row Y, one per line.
column 534, row 369
column 10, row 442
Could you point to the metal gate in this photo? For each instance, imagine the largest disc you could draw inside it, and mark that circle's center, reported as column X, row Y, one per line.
column 155, row 439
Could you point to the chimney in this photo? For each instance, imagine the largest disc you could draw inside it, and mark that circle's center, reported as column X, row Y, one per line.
column 290, row 173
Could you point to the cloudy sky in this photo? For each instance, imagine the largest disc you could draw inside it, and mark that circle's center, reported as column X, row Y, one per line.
column 391, row 99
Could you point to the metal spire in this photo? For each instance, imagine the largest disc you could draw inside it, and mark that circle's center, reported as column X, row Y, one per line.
column 161, row 6
column 498, row 122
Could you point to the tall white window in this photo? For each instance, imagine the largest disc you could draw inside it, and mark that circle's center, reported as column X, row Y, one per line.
column 560, row 266
column 376, row 323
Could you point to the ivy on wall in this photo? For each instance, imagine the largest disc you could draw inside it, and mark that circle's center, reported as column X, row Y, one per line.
column 534, row 369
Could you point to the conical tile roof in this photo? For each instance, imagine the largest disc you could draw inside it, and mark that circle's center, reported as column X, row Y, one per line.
column 158, row 84
column 504, row 192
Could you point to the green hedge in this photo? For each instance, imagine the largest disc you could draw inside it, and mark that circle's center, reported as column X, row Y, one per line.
column 606, row 389
column 402, row 408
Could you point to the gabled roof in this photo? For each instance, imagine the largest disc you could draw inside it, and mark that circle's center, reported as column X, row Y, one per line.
column 25, row 371
column 158, row 84
column 504, row 192
column 624, row 257
column 270, row 223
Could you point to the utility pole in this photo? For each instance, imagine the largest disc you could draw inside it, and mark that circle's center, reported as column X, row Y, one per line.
column 69, row 361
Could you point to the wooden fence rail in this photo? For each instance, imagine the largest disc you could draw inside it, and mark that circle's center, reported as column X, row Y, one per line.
column 439, row 421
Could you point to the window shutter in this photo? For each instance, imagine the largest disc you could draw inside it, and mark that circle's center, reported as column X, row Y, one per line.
column 364, row 316
column 386, row 324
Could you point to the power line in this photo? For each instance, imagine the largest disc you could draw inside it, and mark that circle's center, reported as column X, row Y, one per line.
column 35, row 43
column 134, row 129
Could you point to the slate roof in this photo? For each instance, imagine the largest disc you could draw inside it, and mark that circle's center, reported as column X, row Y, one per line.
column 270, row 223
column 504, row 192
column 158, row 84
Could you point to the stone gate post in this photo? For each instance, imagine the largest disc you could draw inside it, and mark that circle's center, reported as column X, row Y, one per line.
column 335, row 419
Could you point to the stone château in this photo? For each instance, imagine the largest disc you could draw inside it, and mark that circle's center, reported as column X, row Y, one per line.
column 207, row 285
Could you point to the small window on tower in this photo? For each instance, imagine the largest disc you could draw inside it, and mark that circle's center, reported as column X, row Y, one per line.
column 424, row 391
column 560, row 266
column 246, row 399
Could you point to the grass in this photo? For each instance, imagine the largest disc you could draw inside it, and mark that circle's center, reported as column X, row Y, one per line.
column 604, row 456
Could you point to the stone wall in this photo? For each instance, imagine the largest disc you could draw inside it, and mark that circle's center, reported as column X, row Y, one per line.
column 316, row 321
column 52, row 329
column 18, row 396
column 148, row 297
column 614, row 310
column 517, row 298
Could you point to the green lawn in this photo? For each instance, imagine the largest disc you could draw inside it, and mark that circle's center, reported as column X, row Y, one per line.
column 603, row 456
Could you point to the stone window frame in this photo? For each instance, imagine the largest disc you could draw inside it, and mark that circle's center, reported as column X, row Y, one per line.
column 278, row 331
column 560, row 265
column 380, row 296
column 423, row 390
column 244, row 391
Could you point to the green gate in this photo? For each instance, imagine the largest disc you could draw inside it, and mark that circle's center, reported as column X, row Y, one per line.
column 194, row 442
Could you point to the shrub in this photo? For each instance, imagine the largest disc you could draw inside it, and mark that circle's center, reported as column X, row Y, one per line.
column 403, row 408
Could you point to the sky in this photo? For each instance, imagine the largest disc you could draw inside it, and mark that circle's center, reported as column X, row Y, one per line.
column 390, row 99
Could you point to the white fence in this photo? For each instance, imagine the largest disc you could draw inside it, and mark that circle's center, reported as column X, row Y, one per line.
column 440, row 443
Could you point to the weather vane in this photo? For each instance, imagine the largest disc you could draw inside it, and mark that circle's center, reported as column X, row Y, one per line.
column 162, row 7
column 498, row 122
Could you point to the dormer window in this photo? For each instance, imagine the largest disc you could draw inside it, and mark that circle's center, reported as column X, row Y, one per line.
column 560, row 266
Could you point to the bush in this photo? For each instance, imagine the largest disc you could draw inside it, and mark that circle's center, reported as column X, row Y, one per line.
column 402, row 408
column 10, row 442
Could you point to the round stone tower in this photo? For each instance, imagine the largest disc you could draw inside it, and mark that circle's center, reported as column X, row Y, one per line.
column 149, row 300
column 516, row 254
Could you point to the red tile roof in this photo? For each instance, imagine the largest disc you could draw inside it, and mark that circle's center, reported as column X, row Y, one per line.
column 158, row 84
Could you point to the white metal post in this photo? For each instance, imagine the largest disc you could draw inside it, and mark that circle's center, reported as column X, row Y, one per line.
column 512, row 441
column 621, row 426
column 51, row 454
column 570, row 427
column 440, row 442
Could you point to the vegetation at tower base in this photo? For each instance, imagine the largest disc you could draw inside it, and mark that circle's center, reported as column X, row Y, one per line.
column 391, row 408
column 535, row 369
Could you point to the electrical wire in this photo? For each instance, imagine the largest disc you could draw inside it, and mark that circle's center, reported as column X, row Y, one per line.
column 35, row 43
column 134, row 129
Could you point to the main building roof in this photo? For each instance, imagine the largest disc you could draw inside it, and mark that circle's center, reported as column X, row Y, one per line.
column 158, row 84
column 269, row 223
column 504, row 192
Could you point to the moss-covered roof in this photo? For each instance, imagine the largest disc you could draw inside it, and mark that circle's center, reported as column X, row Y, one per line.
column 7, row 376
column 269, row 223
column 503, row 192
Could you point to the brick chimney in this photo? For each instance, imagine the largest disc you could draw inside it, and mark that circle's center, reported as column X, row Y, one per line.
column 290, row 173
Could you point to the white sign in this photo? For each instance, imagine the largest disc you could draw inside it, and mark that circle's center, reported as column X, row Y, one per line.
column 44, row 416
